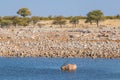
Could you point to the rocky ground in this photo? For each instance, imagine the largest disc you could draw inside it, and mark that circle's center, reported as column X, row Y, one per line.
column 103, row 42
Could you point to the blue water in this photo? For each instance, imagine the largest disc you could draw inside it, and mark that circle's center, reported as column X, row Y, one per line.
column 49, row 69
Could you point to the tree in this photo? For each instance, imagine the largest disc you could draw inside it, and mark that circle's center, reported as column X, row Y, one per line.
column 118, row 16
column 24, row 12
column 74, row 20
column 50, row 17
column 0, row 19
column 95, row 16
column 88, row 19
column 59, row 20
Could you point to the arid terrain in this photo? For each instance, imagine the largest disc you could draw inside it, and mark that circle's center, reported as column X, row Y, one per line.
column 104, row 23
column 94, row 42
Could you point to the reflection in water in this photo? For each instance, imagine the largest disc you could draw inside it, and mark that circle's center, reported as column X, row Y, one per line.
column 49, row 69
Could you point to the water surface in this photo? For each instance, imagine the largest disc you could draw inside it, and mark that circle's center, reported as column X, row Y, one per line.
column 49, row 69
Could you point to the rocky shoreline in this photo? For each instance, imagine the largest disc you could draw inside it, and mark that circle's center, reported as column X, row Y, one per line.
column 103, row 42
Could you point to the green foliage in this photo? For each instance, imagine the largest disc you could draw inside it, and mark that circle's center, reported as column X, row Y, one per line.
column 0, row 19
column 82, row 17
column 118, row 16
column 79, row 17
column 5, row 23
column 15, row 20
column 94, row 16
column 35, row 19
column 74, row 20
column 24, row 12
column 45, row 18
column 59, row 20
column 88, row 20
column 7, row 18
column 69, row 18
column 50, row 17
column 109, row 17
column 24, row 22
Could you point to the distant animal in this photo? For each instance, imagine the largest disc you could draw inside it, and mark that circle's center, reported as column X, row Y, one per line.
column 69, row 67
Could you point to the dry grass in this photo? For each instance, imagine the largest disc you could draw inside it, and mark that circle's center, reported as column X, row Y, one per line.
column 109, row 23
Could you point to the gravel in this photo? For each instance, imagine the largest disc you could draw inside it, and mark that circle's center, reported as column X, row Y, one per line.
column 60, row 42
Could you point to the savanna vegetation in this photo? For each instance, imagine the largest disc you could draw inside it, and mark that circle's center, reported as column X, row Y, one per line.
column 24, row 18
